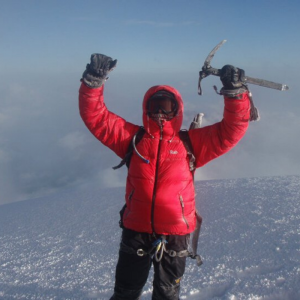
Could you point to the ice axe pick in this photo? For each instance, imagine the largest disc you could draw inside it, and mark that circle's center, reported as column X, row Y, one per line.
column 207, row 70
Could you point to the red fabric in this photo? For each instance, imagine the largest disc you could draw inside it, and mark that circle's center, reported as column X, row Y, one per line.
column 160, row 196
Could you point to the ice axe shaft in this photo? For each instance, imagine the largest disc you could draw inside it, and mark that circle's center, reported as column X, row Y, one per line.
column 208, row 70
column 265, row 83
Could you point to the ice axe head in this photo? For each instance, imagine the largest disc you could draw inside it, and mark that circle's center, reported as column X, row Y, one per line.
column 207, row 69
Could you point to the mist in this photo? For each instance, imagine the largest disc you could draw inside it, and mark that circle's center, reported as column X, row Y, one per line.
column 45, row 146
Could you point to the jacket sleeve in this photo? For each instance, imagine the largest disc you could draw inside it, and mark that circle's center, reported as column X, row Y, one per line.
column 212, row 141
column 110, row 129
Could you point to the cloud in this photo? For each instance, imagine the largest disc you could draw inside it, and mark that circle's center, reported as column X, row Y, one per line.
column 4, row 156
column 150, row 23
column 19, row 101
column 45, row 147
column 73, row 141
column 111, row 178
column 159, row 23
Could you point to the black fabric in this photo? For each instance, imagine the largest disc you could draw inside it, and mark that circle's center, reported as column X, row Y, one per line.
column 232, row 80
column 185, row 138
column 132, row 270
column 97, row 70
column 101, row 65
column 231, row 77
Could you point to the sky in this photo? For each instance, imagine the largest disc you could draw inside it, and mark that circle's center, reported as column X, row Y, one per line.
column 45, row 46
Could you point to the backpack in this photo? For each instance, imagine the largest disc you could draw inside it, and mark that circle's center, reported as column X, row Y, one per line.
column 184, row 137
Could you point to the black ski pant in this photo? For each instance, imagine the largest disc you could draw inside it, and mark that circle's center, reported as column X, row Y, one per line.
column 132, row 270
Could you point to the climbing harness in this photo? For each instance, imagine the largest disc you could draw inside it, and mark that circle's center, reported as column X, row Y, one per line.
column 158, row 249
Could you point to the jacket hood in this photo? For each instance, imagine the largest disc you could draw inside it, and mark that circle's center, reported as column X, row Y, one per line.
column 170, row 127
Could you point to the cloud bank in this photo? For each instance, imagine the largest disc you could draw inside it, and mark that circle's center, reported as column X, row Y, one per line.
column 45, row 147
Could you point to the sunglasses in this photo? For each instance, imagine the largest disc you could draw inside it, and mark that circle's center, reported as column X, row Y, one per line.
column 161, row 104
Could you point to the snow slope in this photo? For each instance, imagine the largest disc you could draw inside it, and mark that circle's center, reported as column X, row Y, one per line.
column 65, row 246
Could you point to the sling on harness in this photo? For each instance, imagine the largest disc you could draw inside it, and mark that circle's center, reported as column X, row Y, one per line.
column 160, row 248
column 157, row 250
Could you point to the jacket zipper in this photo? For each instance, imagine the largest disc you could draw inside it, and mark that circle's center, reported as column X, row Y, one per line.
column 155, row 181
column 130, row 195
column 182, row 210
column 129, row 200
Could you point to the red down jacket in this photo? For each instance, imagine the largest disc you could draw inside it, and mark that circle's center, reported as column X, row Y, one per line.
column 160, row 196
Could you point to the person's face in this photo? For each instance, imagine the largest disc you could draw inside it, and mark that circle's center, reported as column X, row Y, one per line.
column 162, row 105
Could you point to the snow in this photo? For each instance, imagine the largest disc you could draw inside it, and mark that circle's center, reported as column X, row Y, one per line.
column 65, row 246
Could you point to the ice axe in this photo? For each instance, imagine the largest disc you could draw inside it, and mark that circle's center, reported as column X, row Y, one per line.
column 207, row 70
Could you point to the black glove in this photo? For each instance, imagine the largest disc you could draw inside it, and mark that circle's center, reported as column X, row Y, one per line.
column 96, row 72
column 232, row 79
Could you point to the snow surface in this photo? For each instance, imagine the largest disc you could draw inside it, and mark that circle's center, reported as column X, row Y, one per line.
column 65, row 246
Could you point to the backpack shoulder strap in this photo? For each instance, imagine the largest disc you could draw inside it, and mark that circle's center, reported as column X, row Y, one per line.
column 184, row 136
column 126, row 160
